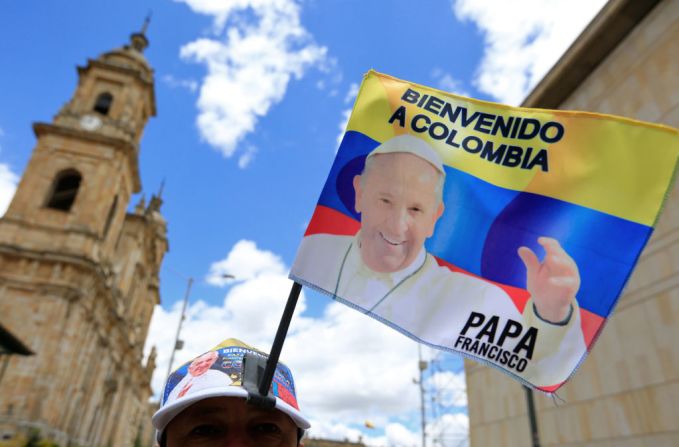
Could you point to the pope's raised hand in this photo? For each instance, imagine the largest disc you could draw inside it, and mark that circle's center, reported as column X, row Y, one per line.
column 552, row 283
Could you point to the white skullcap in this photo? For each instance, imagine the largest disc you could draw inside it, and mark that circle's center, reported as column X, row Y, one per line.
column 410, row 144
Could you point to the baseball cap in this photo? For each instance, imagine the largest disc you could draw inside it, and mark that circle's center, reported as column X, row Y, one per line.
column 219, row 373
column 410, row 144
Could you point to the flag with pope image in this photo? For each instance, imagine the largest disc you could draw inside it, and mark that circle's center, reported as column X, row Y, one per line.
column 504, row 234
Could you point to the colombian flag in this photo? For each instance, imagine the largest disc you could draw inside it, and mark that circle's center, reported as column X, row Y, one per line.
column 595, row 183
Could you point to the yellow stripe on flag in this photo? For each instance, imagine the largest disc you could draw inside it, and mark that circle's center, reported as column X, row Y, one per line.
column 614, row 165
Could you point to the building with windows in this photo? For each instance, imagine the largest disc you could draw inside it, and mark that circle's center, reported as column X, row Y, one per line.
column 78, row 274
column 626, row 393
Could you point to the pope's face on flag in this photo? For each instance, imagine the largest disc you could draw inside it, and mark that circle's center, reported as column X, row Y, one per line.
column 399, row 198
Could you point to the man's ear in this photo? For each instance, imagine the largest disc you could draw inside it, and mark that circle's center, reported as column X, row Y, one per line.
column 357, row 193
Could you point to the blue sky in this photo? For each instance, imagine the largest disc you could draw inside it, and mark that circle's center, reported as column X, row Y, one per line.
column 251, row 98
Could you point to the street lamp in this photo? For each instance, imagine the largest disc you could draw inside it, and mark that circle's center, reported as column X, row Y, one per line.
column 422, row 367
column 179, row 344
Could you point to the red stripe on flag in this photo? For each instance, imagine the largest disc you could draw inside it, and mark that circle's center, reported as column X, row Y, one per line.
column 551, row 388
column 518, row 295
column 329, row 221
column 591, row 325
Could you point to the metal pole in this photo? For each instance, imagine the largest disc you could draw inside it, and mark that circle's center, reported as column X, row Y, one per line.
column 272, row 361
column 531, row 417
column 422, row 365
column 179, row 326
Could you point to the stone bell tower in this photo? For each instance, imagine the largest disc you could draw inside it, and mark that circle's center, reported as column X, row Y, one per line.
column 78, row 274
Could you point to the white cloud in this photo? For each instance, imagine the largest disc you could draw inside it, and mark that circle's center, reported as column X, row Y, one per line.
column 448, row 430
column 334, row 77
column 249, row 65
column 247, row 157
column 348, row 368
column 250, row 311
column 446, row 82
column 8, row 185
column 189, row 84
column 523, row 39
column 451, row 429
column 351, row 93
column 245, row 262
column 397, row 433
column 338, row 431
column 346, row 113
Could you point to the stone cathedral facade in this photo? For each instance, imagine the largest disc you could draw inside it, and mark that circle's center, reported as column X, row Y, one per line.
column 79, row 275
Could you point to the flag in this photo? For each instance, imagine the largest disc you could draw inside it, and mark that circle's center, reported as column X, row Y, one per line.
column 501, row 233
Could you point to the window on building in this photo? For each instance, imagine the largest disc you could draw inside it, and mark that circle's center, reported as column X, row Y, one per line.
column 111, row 214
column 64, row 190
column 103, row 103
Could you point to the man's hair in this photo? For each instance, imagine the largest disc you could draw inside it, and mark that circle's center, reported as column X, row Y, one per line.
column 369, row 166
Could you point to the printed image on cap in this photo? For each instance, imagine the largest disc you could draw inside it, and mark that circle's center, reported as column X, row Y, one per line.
column 219, row 373
column 222, row 366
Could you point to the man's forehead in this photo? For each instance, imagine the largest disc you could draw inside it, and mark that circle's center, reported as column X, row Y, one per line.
column 227, row 405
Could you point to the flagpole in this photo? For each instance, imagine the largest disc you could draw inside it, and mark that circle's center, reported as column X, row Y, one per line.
column 274, row 354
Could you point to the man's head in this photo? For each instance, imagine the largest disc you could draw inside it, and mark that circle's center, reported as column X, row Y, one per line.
column 399, row 196
column 201, row 364
column 213, row 411
column 230, row 421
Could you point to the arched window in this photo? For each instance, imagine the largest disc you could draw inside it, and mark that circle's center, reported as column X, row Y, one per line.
column 103, row 103
column 64, row 190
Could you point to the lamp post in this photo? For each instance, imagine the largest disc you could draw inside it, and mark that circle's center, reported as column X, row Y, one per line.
column 535, row 437
column 177, row 342
column 179, row 326
column 422, row 366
